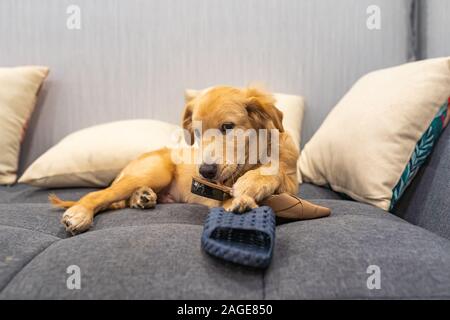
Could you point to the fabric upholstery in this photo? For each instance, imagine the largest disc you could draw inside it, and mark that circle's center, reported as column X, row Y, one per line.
column 426, row 202
column 22, row 193
column 18, row 247
column 156, row 254
column 310, row 191
column 328, row 258
column 141, row 262
column 43, row 218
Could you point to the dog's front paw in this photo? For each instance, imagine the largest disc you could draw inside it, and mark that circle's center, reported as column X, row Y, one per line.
column 143, row 198
column 77, row 219
column 241, row 204
column 254, row 185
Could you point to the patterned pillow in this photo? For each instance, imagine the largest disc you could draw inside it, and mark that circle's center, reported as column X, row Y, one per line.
column 423, row 149
column 367, row 140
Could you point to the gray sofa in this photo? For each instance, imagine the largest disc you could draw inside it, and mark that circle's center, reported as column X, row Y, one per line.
column 156, row 254
column 132, row 59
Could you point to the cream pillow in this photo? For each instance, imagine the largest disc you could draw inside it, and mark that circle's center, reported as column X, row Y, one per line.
column 18, row 90
column 369, row 138
column 94, row 156
column 292, row 107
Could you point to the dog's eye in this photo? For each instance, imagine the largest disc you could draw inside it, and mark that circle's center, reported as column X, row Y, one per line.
column 227, row 126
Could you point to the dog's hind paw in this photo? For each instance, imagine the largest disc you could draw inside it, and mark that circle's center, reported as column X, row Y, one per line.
column 143, row 198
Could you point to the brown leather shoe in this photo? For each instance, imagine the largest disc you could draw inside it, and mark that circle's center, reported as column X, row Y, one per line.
column 285, row 205
column 291, row 207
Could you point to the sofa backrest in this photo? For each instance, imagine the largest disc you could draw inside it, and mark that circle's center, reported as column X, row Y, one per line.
column 133, row 59
column 426, row 202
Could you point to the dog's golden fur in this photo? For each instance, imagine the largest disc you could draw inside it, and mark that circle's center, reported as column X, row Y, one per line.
column 155, row 176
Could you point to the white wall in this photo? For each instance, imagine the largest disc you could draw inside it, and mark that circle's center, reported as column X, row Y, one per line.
column 132, row 59
column 435, row 28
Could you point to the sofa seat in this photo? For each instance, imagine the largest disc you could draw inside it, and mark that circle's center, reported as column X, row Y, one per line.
column 156, row 254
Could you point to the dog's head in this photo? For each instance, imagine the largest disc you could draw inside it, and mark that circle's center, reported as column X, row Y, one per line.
column 228, row 123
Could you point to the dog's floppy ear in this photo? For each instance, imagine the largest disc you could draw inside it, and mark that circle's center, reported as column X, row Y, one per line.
column 262, row 111
column 187, row 122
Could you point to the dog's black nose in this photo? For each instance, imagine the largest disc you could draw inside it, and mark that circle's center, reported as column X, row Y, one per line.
column 208, row 171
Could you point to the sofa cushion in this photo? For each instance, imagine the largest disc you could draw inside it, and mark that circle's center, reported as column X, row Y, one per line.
column 27, row 207
column 157, row 254
column 18, row 247
column 45, row 219
column 22, row 193
column 161, row 261
column 426, row 201
column 328, row 258
column 310, row 191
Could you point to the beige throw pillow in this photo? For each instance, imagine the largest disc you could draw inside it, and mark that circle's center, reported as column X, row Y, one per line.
column 18, row 90
column 367, row 140
column 94, row 156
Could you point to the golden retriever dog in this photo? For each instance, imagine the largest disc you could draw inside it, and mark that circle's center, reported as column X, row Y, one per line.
column 160, row 176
